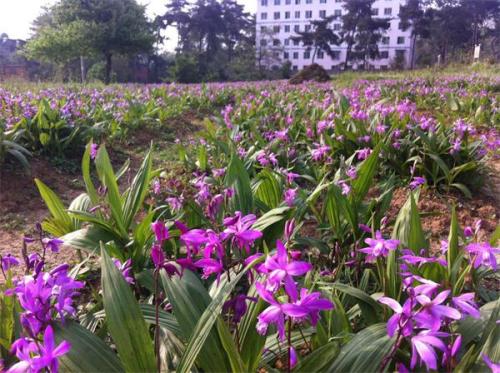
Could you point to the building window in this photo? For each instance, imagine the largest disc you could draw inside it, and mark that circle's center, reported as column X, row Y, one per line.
column 276, row 42
column 263, row 28
column 295, row 55
column 338, row 1
column 287, row 41
column 401, row 39
column 335, row 55
column 388, row 11
column 297, row 2
column 307, row 28
column 263, row 2
column 400, row 26
column 295, row 67
column 375, row 12
column 276, row 2
column 400, row 53
column 336, row 26
column 385, row 40
column 263, row 42
column 295, row 42
column 337, row 12
column 322, row 13
column 263, row 15
column 276, row 15
column 309, row 13
column 288, row 2
column 297, row 14
column 296, row 28
column 285, row 55
column 320, row 55
column 287, row 15
column 309, row 1
column 307, row 55
column 276, row 29
column 322, row 1
column 287, row 28
column 384, row 54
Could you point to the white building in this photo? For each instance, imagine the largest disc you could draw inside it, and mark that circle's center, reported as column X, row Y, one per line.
column 278, row 21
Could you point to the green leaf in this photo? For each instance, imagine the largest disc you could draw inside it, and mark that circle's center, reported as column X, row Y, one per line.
column 60, row 220
column 88, row 352
column 207, row 320
column 267, row 189
column 165, row 320
column 189, row 300
column 125, row 320
column 369, row 307
column 237, row 178
column 87, row 238
column 365, row 352
column 452, row 253
column 108, row 179
column 271, row 217
column 320, row 360
column 366, row 173
column 89, row 185
column 138, row 190
column 7, row 305
column 416, row 239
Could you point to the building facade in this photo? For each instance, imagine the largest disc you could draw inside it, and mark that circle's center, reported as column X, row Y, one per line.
column 279, row 20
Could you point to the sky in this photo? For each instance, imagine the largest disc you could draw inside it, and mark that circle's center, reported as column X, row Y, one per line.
column 16, row 16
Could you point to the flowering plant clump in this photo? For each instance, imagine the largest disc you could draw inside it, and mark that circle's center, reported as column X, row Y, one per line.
column 274, row 243
column 45, row 297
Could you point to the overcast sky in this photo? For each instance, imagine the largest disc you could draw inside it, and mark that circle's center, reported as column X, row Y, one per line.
column 16, row 15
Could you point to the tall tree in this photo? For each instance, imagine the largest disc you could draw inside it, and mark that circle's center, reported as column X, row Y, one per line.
column 320, row 38
column 92, row 27
column 413, row 16
column 361, row 31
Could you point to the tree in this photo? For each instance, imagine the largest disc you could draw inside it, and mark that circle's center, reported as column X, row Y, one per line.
column 321, row 37
column 361, row 31
column 413, row 16
column 77, row 28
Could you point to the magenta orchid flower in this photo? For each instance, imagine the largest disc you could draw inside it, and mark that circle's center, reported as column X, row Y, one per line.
column 483, row 254
column 378, row 246
column 423, row 348
column 210, row 266
column 281, row 269
column 313, row 304
column 276, row 313
column 465, row 303
column 401, row 318
column 238, row 228
column 8, row 261
column 49, row 352
column 160, row 231
column 430, row 316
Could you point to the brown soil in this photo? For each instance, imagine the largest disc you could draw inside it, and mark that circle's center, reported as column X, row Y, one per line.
column 21, row 206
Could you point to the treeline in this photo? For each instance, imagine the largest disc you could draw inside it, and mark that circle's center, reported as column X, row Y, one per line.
column 113, row 40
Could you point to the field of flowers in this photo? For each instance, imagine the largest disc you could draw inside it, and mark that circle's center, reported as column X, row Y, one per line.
column 292, row 233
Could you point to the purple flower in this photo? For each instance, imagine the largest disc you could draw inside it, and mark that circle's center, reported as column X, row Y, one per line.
column 275, row 314
column 93, row 150
column 281, row 269
column 468, row 232
column 156, row 187
column 49, row 352
column 238, row 305
column 290, row 195
column 483, row 254
column 378, row 246
column 433, row 311
column 423, row 348
column 125, row 269
column 401, row 318
column 157, row 256
column 238, row 228
column 352, row 172
column 52, row 243
column 313, row 304
column 175, row 203
column 319, row 152
column 210, row 266
column 495, row 368
column 466, row 304
column 8, row 261
column 364, row 153
column 416, row 182
column 160, row 231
